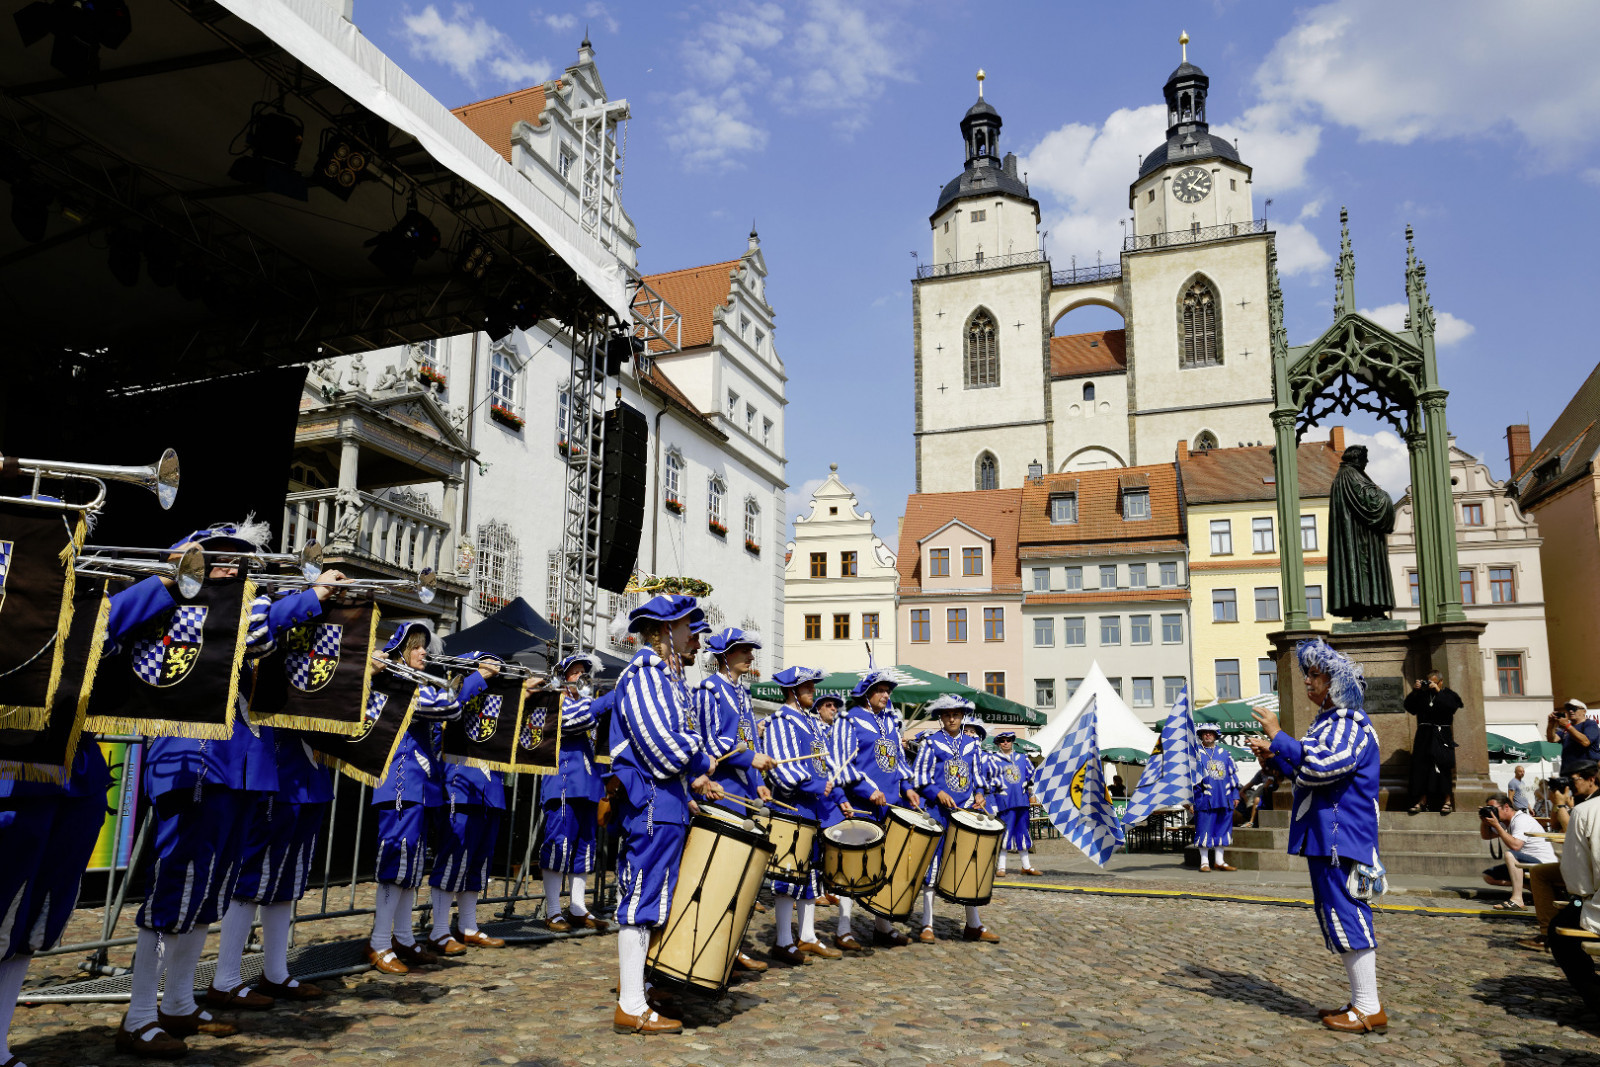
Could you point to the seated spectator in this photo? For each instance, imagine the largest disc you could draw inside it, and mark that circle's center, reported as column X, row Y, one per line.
column 1561, row 803
column 1516, row 831
column 1549, row 894
column 1119, row 789
column 1580, row 869
column 1541, row 799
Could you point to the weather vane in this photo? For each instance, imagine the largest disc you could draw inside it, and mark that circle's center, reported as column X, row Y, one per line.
column 981, row 76
column 1183, row 43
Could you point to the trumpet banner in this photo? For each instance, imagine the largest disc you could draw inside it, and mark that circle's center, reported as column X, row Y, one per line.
column 46, row 754
column 539, row 737
column 316, row 679
column 365, row 756
column 489, row 728
column 37, row 580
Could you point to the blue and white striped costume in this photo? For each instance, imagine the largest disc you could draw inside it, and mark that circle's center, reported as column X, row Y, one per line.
column 1010, row 786
column 724, row 719
column 804, row 785
column 281, row 838
column 867, row 756
column 1215, row 795
column 571, row 794
column 475, row 802
column 950, row 765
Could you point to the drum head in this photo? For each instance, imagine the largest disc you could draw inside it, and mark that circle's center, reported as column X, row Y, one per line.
column 915, row 819
column 854, row 832
column 976, row 820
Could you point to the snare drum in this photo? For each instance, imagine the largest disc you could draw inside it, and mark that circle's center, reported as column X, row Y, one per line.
column 971, row 850
column 792, row 836
column 852, row 857
column 719, row 875
column 909, row 840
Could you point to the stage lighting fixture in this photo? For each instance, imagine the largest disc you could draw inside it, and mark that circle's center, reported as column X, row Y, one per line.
column 475, row 257
column 123, row 255
column 30, row 207
column 273, row 138
column 341, row 164
column 515, row 309
column 620, row 348
column 396, row 251
column 80, row 27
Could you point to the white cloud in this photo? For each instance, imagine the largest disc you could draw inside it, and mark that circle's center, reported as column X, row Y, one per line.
column 470, row 46
column 1447, row 328
column 797, row 498
column 1400, row 72
column 845, row 60
column 599, row 11
column 1388, row 461
column 1084, row 171
column 1299, row 251
column 1276, row 143
column 561, row 22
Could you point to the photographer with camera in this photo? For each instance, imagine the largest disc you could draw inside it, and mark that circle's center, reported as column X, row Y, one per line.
column 1433, row 749
column 1579, row 737
column 1580, row 869
column 1515, row 831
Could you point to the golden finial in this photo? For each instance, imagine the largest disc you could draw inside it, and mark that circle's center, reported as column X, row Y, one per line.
column 1183, row 43
column 981, row 76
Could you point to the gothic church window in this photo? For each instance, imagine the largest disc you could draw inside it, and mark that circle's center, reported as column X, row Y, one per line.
column 988, row 471
column 1205, row 442
column 982, row 368
column 1199, row 326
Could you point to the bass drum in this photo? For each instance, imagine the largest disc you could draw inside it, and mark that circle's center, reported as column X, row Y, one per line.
column 719, row 875
column 852, row 857
column 971, row 852
column 909, row 841
column 793, row 837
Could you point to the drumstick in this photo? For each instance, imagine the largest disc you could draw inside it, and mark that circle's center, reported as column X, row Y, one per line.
column 757, row 803
column 793, row 759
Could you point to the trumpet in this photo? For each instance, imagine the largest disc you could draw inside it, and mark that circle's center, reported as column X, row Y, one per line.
column 308, row 560
column 459, row 663
column 422, row 584
column 189, row 571
column 160, row 477
column 411, row 673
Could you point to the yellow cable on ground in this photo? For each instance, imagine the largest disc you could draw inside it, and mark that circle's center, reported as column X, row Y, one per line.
column 1241, row 898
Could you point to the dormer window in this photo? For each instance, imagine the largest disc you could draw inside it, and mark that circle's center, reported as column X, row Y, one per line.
column 1135, row 504
column 1063, row 508
column 1547, row 471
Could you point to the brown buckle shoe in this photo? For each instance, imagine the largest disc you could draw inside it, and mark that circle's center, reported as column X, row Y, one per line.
column 388, row 961
column 414, row 955
column 848, row 943
column 977, row 933
column 1376, row 1023
column 814, row 948
column 242, row 996
column 558, row 924
column 479, row 939
column 743, row 962
column 926, row 937
column 152, row 1041
column 1032, row 872
column 1323, row 1013
column 652, row 1023
column 1226, row 867
column 789, row 954
column 298, row 991
column 892, row 939
column 586, row 920
column 829, row 899
column 446, row 946
column 198, row 1021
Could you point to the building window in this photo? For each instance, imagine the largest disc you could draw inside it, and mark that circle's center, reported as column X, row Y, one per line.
column 955, row 624
column 733, row 405
column 1041, row 579
column 750, row 419
column 1267, row 675
column 1171, row 690
column 1138, row 575
column 1508, row 665
column 994, row 624
column 819, row 564
column 1139, row 629
column 1063, row 508
column 1172, row 629
column 1469, row 585
column 766, row 431
column 1261, row 535
column 938, row 563
column 1308, row 533
column 564, row 161
column 1224, row 606
column 1088, row 392
column 1108, row 576
column 994, row 683
column 752, row 524
column 1144, row 692
column 1044, row 632
column 1072, row 686
column 1169, row 575
column 1221, row 537
column 503, row 385
column 1267, row 603
column 919, row 626
column 988, row 473
column 1415, row 582
column 1111, row 629
column 841, row 627
column 1044, row 692
column 972, row 562
column 1074, row 631
column 715, row 490
column 1135, row 504
column 1205, row 441
column 813, row 627
column 497, row 575
column 1200, row 330
column 980, row 216
column 982, row 369
column 869, row 626
column 1074, row 579
column 958, row 677
column 672, row 487
column 1227, row 679
column 1502, row 585
column 1472, row 514
column 744, row 325
column 1313, row 601
column 847, row 565
column 1116, row 684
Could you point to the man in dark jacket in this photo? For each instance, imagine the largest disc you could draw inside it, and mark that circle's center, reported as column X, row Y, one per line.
column 1433, row 750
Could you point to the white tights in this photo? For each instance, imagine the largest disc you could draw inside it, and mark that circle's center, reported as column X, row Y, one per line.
column 1361, row 966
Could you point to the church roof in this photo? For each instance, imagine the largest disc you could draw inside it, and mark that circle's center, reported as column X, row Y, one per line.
column 1189, row 146
column 1567, row 450
column 695, row 293
column 985, row 178
column 1239, row 475
column 493, row 118
column 993, row 512
column 1100, row 506
column 1076, row 355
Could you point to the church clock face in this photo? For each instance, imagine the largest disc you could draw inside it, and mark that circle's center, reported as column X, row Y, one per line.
column 1192, row 185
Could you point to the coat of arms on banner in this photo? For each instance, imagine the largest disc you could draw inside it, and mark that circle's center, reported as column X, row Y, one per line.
column 482, row 717
column 531, row 734
column 5, row 565
column 369, row 718
column 312, row 654
column 166, row 658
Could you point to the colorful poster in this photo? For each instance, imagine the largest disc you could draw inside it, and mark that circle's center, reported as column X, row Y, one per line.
column 121, row 826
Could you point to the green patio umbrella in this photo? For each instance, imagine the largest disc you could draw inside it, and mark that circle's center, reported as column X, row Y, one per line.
column 1019, row 745
column 1505, row 750
column 1232, row 717
column 917, row 687
column 1125, row 755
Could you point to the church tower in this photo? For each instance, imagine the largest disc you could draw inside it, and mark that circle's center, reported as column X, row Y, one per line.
column 978, row 308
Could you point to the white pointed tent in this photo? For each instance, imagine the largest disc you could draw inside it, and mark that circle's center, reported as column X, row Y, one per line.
column 1116, row 725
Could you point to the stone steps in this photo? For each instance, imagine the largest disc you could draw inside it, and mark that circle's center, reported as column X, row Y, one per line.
column 1426, row 844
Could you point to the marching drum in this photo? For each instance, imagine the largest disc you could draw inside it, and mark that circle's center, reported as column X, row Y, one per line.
column 724, row 859
column 908, row 843
column 792, row 838
column 971, row 850
column 852, row 857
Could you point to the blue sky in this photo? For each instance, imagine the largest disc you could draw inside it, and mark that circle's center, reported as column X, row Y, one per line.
column 833, row 124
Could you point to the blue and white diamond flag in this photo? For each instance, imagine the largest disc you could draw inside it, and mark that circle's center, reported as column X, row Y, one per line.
column 1073, row 790
column 1168, row 779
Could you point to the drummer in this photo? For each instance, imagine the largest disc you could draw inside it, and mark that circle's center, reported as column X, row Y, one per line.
column 827, row 707
column 1012, row 798
column 947, row 774
column 867, row 760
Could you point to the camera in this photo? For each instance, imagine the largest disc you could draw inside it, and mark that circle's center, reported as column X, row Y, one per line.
column 1488, row 812
column 1563, row 785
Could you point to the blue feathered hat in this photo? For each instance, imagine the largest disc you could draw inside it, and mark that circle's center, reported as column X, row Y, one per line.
column 794, row 677
column 246, row 536
column 947, row 702
column 404, row 630
column 589, row 659
column 697, row 622
column 1348, row 683
column 977, row 724
column 723, row 641
column 668, row 607
column 870, row 679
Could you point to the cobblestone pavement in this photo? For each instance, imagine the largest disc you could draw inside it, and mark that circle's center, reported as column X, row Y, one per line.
column 1078, row 979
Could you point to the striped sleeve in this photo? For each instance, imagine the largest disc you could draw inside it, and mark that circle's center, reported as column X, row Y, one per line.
column 651, row 712
column 842, row 749
column 577, row 714
column 1332, row 750
column 261, row 639
column 783, row 742
column 922, row 773
column 719, row 724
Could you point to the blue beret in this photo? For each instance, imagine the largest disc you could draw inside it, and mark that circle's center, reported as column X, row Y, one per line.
column 669, row 607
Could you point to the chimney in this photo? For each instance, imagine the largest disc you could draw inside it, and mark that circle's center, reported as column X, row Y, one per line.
column 1518, row 446
column 1036, row 472
column 1336, row 440
column 1183, row 450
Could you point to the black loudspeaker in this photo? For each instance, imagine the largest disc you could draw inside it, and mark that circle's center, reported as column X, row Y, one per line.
column 622, row 486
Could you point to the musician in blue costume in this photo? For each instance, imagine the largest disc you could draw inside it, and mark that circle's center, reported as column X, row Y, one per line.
column 415, row 782
column 1334, row 824
column 1216, row 794
column 794, row 733
column 949, row 775
column 828, row 707
column 726, row 722
column 1011, row 797
column 205, row 794
column 658, row 759
column 871, row 766
column 570, row 798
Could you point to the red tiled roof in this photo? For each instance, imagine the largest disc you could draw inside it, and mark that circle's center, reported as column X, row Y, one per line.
column 1239, row 475
column 991, row 511
column 1100, row 507
column 673, row 395
column 1077, row 354
column 492, row 119
column 1092, row 596
column 695, row 292
column 1572, row 442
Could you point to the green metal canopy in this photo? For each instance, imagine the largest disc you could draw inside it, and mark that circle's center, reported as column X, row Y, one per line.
column 916, row 687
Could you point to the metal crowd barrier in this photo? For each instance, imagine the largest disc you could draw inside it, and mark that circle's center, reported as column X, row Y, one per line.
column 348, row 849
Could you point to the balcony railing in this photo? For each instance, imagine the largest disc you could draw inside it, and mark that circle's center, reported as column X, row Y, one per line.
column 1100, row 272
column 970, row 266
column 1193, row 236
column 352, row 521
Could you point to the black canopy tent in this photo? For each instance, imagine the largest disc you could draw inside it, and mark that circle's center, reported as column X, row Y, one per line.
column 517, row 633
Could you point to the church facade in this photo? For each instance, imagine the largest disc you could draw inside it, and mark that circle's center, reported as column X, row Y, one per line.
column 997, row 389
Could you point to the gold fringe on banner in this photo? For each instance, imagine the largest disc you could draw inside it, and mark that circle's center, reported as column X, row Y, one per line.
column 362, row 776
column 15, row 716
column 314, row 724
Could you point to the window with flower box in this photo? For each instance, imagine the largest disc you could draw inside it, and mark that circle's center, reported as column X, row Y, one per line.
column 497, row 575
column 752, row 525
column 672, row 485
column 505, row 399
column 716, row 489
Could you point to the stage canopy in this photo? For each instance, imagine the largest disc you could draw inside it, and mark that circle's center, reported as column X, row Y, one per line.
column 517, row 633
